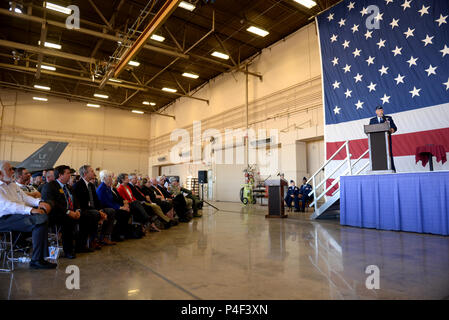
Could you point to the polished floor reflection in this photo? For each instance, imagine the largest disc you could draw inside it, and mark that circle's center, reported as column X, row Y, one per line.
column 236, row 253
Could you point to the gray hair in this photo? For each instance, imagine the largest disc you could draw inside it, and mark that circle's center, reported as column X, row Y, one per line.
column 83, row 170
column 172, row 179
column 132, row 175
column 104, row 174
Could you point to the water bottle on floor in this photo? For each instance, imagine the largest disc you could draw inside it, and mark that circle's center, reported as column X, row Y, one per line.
column 24, row 260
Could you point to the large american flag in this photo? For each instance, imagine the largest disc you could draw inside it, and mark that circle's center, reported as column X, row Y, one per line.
column 401, row 64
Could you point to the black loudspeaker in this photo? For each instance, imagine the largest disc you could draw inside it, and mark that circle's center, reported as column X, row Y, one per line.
column 202, row 176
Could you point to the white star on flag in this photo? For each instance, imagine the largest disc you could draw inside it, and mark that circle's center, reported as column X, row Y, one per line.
column 364, row 11
column 379, row 17
column 441, row 20
column 356, row 53
column 406, row 4
column 447, row 84
column 399, row 79
column 415, row 92
column 342, row 22
column 385, row 99
column 334, row 38
column 359, row 104
column 445, row 51
column 388, row 1
column 431, row 70
column 372, row 87
column 335, row 61
column 346, row 44
column 370, row 60
column 424, row 10
column 358, row 78
column 368, row 34
column 397, row 51
column 355, row 28
column 348, row 93
column 330, row 17
column 394, row 23
column 336, row 85
column 409, row 33
column 383, row 70
column 427, row 40
column 412, row 61
column 337, row 110
column 347, row 68
column 381, row 43
column 351, row 5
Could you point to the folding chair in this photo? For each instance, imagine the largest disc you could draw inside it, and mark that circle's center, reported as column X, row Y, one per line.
column 7, row 250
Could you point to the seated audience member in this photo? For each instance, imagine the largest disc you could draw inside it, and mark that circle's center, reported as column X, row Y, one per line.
column 22, row 213
column 23, row 178
column 160, row 185
column 91, row 207
column 166, row 206
column 66, row 210
column 142, row 214
column 122, row 212
column 159, row 194
column 292, row 196
column 49, row 177
column 304, row 193
column 36, row 180
column 192, row 201
column 163, row 220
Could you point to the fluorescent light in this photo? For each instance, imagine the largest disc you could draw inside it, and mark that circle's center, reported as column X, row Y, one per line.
column 190, row 75
column 134, row 63
column 56, row 7
column 157, row 38
column 169, row 90
column 51, row 45
column 115, row 80
column 220, row 55
column 147, row 103
column 258, row 31
column 41, row 87
column 43, row 66
column 306, row 3
column 92, row 105
column 187, row 6
column 40, row 99
column 138, row 111
column 152, row 104
column 103, row 96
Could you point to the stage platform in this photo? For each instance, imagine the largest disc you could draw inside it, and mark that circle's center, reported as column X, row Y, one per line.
column 414, row 202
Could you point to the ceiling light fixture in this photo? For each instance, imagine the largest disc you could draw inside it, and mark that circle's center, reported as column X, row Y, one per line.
column 92, row 105
column 158, row 38
column 37, row 86
column 40, row 99
column 169, row 90
column 43, row 66
column 50, row 45
column 103, row 96
column 138, row 111
column 258, row 31
column 220, row 55
column 190, row 75
column 306, row 3
column 56, row 7
column 187, row 6
column 134, row 63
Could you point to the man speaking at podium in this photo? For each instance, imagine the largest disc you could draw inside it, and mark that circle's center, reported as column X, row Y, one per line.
column 381, row 118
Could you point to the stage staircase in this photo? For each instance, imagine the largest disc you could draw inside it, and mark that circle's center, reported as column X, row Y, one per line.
column 326, row 205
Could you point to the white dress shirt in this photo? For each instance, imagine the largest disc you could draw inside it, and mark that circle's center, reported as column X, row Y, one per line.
column 14, row 201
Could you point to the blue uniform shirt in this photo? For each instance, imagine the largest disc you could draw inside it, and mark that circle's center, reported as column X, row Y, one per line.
column 293, row 191
column 305, row 190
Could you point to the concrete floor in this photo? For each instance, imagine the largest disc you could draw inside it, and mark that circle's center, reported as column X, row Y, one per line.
column 236, row 253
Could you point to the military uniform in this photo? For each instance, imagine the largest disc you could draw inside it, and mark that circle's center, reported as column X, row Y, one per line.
column 304, row 191
column 292, row 191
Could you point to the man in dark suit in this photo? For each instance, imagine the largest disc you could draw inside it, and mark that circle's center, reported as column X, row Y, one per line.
column 66, row 211
column 90, row 204
column 381, row 118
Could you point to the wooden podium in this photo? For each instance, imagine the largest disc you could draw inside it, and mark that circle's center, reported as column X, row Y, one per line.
column 379, row 148
column 276, row 198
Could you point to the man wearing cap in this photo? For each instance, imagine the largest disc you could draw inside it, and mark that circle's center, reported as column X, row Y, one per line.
column 381, row 118
column 292, row 195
